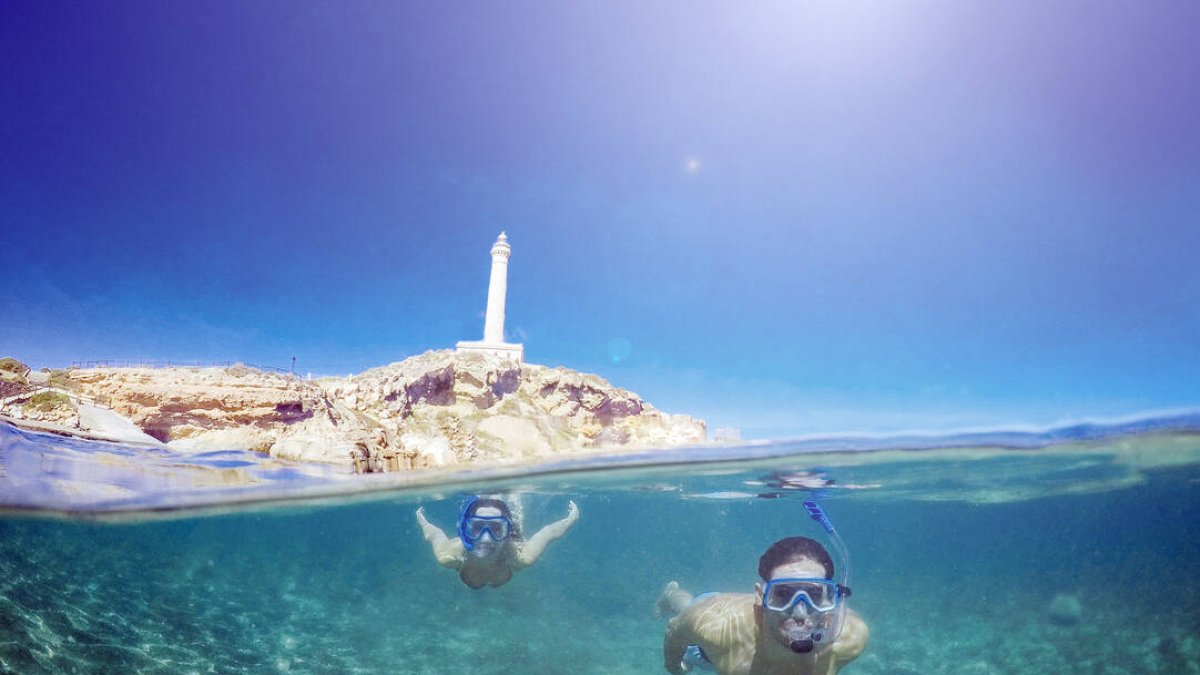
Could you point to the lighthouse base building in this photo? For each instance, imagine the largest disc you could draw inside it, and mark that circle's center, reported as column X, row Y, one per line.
column 505, row 350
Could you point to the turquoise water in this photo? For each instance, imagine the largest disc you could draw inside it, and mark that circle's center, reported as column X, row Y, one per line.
column 959, row 547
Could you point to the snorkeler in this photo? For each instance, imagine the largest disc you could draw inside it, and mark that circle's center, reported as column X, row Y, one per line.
column 796, row 621
column 489, row 546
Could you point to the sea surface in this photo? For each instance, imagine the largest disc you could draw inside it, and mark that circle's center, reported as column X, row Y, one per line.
column 1075, row 550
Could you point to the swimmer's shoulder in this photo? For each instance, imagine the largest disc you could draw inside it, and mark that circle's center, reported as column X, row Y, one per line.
column 721, row 618
column 852, row 640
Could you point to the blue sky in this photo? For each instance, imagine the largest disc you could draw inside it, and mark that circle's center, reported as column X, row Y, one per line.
column 792, row 218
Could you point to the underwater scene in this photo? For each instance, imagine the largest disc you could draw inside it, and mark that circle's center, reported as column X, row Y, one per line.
column 1067, row 552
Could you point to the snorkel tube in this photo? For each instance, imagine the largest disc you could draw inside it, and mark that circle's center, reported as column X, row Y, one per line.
column 802, row 639
column 468, row 543
column 818, row 514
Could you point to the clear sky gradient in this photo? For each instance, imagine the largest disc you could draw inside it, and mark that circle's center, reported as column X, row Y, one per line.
column 786, row 218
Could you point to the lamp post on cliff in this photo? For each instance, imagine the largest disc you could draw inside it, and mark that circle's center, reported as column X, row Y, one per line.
column 293, row 366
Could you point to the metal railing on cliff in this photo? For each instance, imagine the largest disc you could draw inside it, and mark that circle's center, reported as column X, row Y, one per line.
column 172, row 363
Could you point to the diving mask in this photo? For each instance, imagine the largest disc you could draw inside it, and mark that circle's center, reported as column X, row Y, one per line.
column 497, row 527
column 817, row 595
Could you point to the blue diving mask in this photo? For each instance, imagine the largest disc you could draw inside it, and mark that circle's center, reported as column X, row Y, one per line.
column 474, row 528
column 816, row 595
column 497, row 527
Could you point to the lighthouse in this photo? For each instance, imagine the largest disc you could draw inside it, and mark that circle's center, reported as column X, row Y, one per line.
column 493, row 325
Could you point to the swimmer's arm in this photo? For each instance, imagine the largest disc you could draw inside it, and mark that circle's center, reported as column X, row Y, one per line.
column 449, row 552
column 721, row 625
column 852, row 641
column 533, row 547
column 675, row 643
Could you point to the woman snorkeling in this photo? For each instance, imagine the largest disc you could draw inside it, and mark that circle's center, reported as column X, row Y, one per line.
column 489, row 546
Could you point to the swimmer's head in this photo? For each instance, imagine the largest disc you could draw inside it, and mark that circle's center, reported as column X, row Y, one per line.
column 797, row 601
column 484, row 526
column 794, row 549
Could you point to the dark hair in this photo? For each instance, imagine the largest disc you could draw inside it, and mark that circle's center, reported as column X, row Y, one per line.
column 794, row 549
column 474, row 507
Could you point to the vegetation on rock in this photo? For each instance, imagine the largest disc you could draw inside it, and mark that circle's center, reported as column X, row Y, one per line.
column 12, row 370
column 60, row 379
column 47, row 401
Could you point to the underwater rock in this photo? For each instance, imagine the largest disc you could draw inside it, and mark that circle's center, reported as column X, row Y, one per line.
column 1065, row 609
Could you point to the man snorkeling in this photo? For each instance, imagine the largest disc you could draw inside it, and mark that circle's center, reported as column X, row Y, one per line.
column 489, row 546
column 796, row 621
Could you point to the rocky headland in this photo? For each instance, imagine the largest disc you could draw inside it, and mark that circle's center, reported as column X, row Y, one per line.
column 437, row 409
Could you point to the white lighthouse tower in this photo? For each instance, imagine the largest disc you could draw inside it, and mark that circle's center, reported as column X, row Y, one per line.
column 493, row 325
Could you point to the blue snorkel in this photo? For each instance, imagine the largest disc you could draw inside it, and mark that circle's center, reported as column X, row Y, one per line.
column 468, row 543
column 818, row 515
column 824, row 627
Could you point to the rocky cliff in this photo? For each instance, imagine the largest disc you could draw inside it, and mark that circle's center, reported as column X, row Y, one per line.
column 439, row 408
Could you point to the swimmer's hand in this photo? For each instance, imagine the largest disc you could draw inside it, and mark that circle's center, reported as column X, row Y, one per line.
column 421, row 516
column 572, row 511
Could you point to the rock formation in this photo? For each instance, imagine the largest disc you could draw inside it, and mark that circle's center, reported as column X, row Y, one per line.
column 1065, row 609
column 439, row 408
